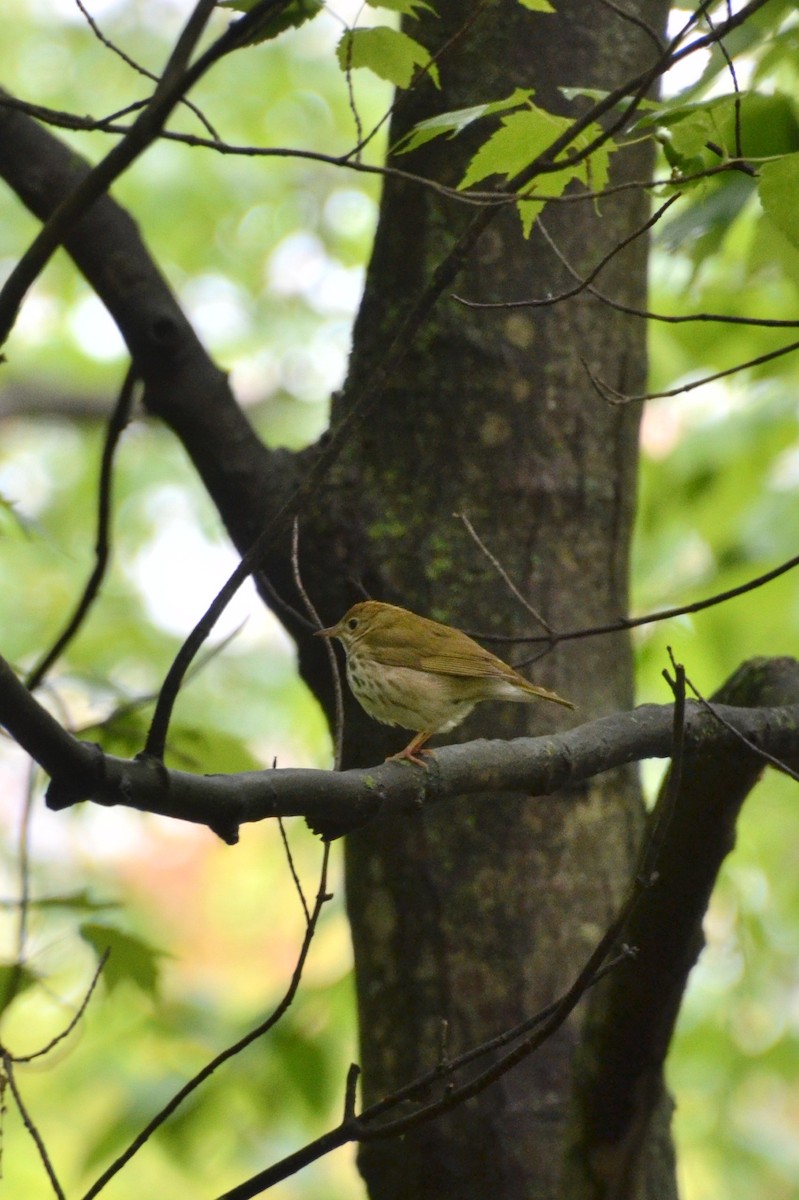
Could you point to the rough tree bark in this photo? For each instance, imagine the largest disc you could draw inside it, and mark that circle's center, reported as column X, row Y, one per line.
column 470, row 917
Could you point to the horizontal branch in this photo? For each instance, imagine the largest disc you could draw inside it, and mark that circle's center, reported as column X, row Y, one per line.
column 333, row 800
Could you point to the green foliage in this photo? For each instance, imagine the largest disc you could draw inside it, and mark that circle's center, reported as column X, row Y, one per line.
column 15, row 980
column 522, row 138
column 409, row 8
column 260, row 251
column 290, row 16
column 389, row 53
column 777, row 191
column 129, row 958
column 451, row 123
column 725, row 456
column 82, row 900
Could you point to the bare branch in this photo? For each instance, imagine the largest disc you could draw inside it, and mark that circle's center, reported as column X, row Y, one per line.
column 613, row 396
column 338, row 697
column 647, row 314
column 537, row 766
column 117, row 424
column 74, row 1021
column 663, row 614
column 140, row 70
column 503, row 574
column 322, row 897
column 29, row 1124
column 293, row 870
column 570, row 293
column 367, row 1126
column 177, row 78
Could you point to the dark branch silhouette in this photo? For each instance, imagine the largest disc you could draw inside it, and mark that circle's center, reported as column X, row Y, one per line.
column 117, row 424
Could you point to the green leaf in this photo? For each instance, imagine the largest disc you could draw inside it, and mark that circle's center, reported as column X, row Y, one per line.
column 129, row 957
column 768, row 125
column 80, row 901
column 212, row 752
column 408, row 8
column 452, row 123
column 123, row 733
column 291, row 17
column 700, row 230
column 388, row 53
column 521, row 139
column 777, row 191
column 597, row 94
column 537, row 5
column 15, row 978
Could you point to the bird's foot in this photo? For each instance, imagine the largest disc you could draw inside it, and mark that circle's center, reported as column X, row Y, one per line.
column 409, row 755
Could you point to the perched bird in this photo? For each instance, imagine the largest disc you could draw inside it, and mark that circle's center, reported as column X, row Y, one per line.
column 406, row 670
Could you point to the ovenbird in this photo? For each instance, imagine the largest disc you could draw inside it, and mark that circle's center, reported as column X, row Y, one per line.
column 406, row 670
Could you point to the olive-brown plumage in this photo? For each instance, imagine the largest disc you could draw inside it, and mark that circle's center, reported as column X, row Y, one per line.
column 407, row 670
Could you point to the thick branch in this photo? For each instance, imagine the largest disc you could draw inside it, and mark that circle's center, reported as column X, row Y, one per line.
column 533, row 766
column 620, row 1082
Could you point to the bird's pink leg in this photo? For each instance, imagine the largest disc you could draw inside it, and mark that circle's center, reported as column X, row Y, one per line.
column 409, row 753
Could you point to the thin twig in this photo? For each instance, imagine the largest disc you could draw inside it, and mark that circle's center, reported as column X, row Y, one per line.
column 634, row 19
column 400, row 97
column 356, row 116
column 117, row 424
column 503, row 574
column 338, row 697
column 279, row 602
column 612, row 396
column 750, row 745
column 67, row 1030
column 292, row 868
column 735, row 88
column 570, row 293
column 652, row 618
column 177, row 79
column 24, row 865
column 394, row 350
column 140, row 70
column 668, row 318
column 322, row 896
column 671, row 792
column 29, row 1124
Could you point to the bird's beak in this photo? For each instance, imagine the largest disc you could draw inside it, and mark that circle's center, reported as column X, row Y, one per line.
column 327, row 633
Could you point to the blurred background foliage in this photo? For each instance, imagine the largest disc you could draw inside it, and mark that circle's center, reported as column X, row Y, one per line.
column 267, row 256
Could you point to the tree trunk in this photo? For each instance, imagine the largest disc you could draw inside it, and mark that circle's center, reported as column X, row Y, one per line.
column 471, row 916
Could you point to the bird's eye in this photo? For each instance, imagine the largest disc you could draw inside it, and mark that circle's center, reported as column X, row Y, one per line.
column 352, row 623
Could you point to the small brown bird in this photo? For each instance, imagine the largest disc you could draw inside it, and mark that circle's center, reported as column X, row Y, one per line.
column 406, row 670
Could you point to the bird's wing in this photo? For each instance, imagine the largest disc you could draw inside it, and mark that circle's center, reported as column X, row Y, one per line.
column 462, row 657
column 399, row 647
column 479, row 666
column 456, row 654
